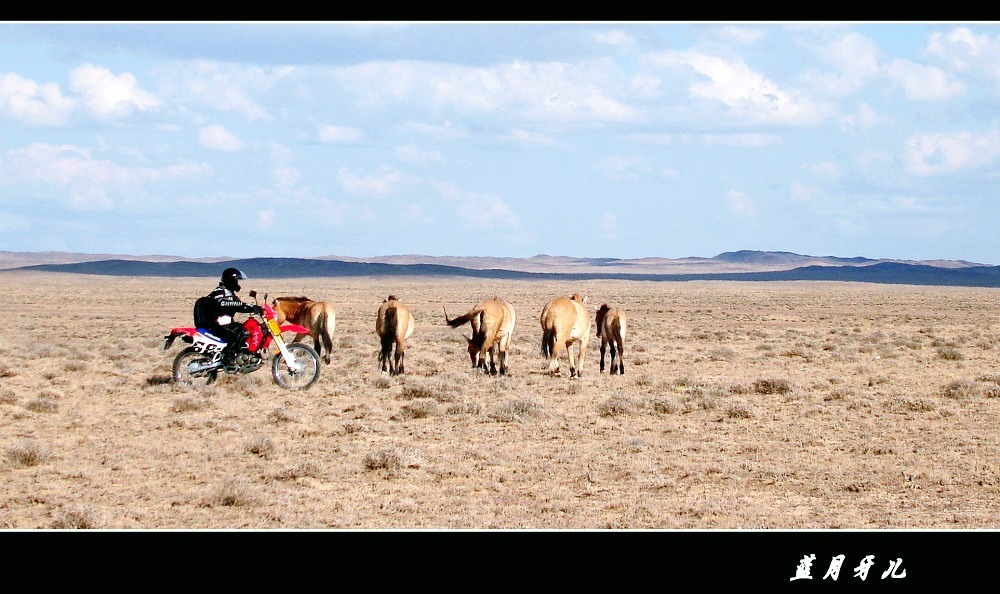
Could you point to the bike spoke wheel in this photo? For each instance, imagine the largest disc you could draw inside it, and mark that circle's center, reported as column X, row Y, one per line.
column 307, row 362
column 192, row 368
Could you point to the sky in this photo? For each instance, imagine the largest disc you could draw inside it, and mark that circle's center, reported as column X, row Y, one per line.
column 617, row 139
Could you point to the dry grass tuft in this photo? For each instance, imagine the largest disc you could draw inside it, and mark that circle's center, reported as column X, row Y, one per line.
column 419, row 408
column 950, row 353
column 616, row 405
column 300, row 470
column 388, row 460
column 7, row 371
column 960, row 389
column 8, row 396
column 158, row 380
column 27, row 453
column 737, row 408
column 667, row 405
column 42, row 405
column 77, row 517
column 771, row 386
column 259, row 445
column 232, row 492
column 189, row 404
column 439, row 390
column 515, row 410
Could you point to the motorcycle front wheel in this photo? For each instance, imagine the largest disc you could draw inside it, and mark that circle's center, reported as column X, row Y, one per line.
column 192, row 368
column 305, row 358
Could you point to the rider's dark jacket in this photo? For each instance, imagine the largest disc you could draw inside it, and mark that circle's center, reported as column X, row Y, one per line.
column 227, row 304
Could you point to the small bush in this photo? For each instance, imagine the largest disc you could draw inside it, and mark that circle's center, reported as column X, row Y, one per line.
column 188, row 404
column 512, row 410
column 77, row 517
column 616, row 405
column 949, row 353
column 959, row 389
column 40, row 404
column 233, row 492
column 26, row 454
column 737, row 408
column 259, row 445
column 388, row 460
column 419, row 408
column 771, row 386
column 666, row 405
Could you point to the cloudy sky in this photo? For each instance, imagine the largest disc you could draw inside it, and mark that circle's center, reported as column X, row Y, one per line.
column 592, row 139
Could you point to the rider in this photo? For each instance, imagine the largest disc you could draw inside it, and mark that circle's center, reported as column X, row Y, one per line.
column 220, row 321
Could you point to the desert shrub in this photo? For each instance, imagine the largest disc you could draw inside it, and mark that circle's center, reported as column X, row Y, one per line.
column 302, row 469
column 666, row 405
column 41, row 404
column 960, row 389
column 280, row 415
column 464, row 408
column 950, row 353
column 418, row 408
column 771, row 386
column 158, row 380
column 388, row 460
column 618, row 404
column 737, row 408
column 512, row 410
column 259, row 445
column 27, row 453
column 77, row 517
column 722, row 354
column 382, row 382
column 440, row 390
column 232, row 492
column 7, row 371
column 8, row 396
column 188, row 404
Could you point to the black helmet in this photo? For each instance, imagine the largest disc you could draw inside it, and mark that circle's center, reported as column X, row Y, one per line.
column 231, row 278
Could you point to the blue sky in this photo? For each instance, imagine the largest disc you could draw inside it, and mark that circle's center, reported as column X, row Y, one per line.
column 590, row 139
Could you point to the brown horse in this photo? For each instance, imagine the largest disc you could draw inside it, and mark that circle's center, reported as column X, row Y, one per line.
column 612, row 324
column 393, row 326
column 565, row 322
column 492, row 323
column 318, row 316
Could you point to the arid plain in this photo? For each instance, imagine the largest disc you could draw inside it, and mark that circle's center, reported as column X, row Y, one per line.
column 789, row 405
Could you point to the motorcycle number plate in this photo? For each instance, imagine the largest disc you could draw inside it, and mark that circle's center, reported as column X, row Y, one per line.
column 275, row 328
column 206, row 345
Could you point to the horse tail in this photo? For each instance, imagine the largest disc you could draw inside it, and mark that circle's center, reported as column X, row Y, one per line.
column 323, row 331
column 462, row 319
column 388, row 330
column 548, row 338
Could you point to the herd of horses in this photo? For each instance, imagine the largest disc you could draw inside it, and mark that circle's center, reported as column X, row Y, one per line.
column 566, row 324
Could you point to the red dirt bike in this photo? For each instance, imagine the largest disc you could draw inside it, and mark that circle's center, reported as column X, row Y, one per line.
column 294, row 365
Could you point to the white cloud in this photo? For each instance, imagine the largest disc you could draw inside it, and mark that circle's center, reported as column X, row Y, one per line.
column 32, row 103
column 481, row 212
column 552, row 91
column 750, row 140
column 220, row 86
column 217, row 138
column 412, row 154
column 338, row 134
column 616, row 38
column 616, row 167
column 740, row 205
column 853, row 59
column 748, row 94
column 949, row 152
column 381, row 184
column 923, row 83
column 91, row 183
column 265, row 219
column 108, row 96
column 964, row 50
column 526, row 137
column 864, row 118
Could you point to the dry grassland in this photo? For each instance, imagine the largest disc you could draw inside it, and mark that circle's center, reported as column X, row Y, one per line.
column 744, row 406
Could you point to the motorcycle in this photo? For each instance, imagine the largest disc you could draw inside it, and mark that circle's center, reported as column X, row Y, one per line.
column 294, row 366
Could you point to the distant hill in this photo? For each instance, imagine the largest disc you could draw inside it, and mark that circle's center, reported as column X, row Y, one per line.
column 734, row 266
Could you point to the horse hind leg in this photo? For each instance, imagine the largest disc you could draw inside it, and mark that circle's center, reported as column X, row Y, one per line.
column 604, row 347
column 398, row 359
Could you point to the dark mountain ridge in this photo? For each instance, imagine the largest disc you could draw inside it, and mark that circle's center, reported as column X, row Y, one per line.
column 854, row 270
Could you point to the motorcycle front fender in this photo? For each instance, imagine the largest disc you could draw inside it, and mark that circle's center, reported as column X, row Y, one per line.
column 295, row 328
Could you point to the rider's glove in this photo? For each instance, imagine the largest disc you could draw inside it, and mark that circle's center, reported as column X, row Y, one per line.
column 259, row 310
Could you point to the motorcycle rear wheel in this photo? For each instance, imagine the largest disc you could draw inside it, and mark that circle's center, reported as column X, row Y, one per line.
column 306, row 357
column 190, row 368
